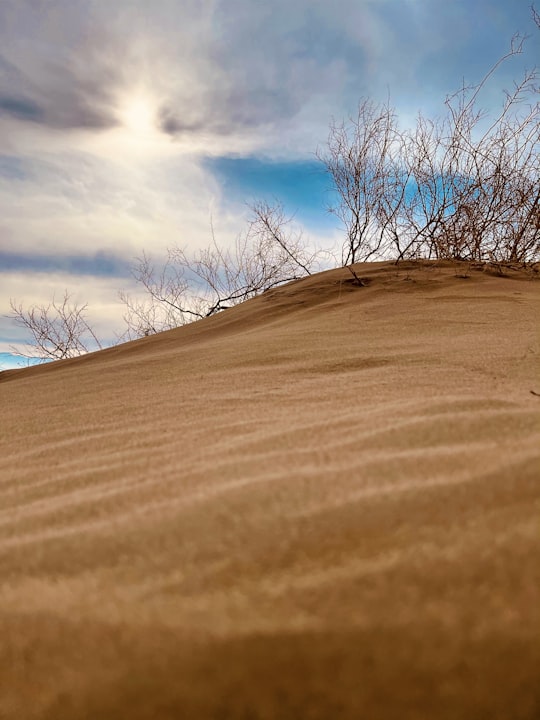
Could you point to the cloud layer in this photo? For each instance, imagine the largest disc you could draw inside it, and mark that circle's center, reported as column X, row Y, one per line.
column 225, row 68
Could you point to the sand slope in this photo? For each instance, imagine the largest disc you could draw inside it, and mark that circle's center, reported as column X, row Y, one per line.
column 322, row 504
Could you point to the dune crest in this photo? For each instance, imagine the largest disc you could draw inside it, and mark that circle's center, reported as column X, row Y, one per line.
column 321, row 504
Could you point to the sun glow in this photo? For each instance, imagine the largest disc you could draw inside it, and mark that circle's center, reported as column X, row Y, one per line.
column 136, row 133
column 138, row 114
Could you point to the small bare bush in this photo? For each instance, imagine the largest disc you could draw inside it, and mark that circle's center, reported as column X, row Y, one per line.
column 362, row 160
column 58, row 330
column 462, row 186
column 191, row 286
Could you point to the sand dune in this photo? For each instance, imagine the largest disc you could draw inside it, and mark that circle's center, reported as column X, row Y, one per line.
column 321, row 504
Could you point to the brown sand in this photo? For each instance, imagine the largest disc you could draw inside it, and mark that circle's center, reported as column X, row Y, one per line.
column 322, row 504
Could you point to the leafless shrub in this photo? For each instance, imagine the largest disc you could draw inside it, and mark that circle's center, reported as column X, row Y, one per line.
column 360, row 158
column 58, row 330
column 186, row 287
column 193, row 286
column 494, row 192
column 461, row 186
column 164, row 305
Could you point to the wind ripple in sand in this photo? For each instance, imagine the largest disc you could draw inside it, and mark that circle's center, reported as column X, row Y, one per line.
column 321, row 504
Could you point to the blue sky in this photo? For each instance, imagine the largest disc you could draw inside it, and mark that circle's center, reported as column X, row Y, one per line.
column 128, row 126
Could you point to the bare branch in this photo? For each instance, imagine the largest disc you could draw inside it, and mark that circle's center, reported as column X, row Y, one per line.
column 361, row 161
column 461, row 186
column 192, row 286
column 59, row 330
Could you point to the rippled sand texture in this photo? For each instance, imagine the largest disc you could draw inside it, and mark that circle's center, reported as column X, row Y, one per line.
column 322, row 504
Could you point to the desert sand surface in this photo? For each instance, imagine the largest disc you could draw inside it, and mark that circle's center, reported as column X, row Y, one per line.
column 323, row 503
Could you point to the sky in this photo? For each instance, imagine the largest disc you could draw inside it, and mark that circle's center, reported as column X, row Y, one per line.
column 130, row 126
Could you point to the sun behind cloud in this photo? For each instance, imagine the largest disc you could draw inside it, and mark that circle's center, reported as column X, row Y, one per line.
column 137, row 132
column 138, row 113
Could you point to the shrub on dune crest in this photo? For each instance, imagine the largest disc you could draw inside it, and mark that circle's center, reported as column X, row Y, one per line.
column 464, row 186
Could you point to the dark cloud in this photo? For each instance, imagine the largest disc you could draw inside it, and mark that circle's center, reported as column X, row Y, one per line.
column 262, row 64
column 224, row 67
column 55, row 68
column 100, row 264
column 68, row 102
column 172, row 123
column 230, row 113
column 21, row 108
